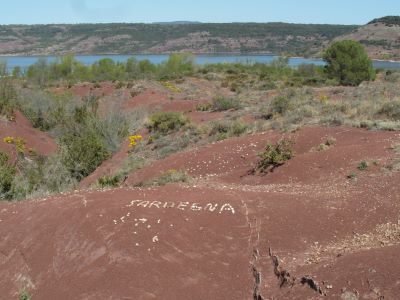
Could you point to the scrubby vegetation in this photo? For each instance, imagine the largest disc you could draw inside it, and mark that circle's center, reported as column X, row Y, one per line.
column 388, row 20
column 165, row 122
column 69, row 69
column 85, row 139
column 243, row 98
column 275, row 155
column 221, row 103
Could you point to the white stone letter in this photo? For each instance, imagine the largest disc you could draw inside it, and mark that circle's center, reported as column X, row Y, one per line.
column 155, row 203
column 143, row 203
column 182, row 205
column 133, row 203
column 196, row 207
column 227, row 207
column 210, row 207
column 169, row 205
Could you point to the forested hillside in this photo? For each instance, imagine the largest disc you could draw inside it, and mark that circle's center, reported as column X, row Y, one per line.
column 277, row 38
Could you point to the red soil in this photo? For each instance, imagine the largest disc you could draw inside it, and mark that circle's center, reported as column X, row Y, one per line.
column 97, row 245
column 231, row 160
column 161, row 101
column 35, row 139
column 93, row 244
column 320, row 224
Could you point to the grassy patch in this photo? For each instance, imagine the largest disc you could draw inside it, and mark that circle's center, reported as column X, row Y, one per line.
column 221, row 104
column 170, row 176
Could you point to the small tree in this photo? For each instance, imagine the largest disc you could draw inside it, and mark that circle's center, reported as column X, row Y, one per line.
column 348, row 62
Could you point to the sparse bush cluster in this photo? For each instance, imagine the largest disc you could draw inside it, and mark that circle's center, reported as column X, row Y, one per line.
column 69, row 69
column 165, row 122
column 85, row 140
column 372, row 106
column 222, row 104
column 221, row 130
column 275, row 155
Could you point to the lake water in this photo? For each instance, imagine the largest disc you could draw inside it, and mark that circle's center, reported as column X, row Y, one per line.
column 26, row 61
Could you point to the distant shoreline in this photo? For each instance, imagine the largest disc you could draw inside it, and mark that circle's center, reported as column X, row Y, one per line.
column 195, row 54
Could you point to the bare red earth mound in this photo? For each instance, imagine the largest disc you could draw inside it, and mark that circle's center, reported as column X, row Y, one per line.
column 161, row 101
column 304, row 231
column 35, row 139
column 127, row 244
column 232, row 160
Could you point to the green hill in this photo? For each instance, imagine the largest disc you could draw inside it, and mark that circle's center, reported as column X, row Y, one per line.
column 278, row 38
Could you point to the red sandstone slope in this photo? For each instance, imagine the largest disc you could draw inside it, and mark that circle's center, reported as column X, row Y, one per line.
column 39, row 141
column 230, row 161
column 305, row 231
column 127, row 244
column 176, row 242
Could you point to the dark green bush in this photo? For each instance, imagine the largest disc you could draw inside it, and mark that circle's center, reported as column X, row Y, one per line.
column 7, row 98
column 7, row 173
column 83, row 150
column 362, row 166
column 109, row 181
column 275, row 155
column 165, row 122
column 348, row 62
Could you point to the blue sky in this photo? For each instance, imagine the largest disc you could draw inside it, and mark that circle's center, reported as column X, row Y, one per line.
column 103, row 11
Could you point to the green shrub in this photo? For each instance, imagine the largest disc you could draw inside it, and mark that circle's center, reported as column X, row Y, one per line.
column 109, row 181
column 224, row 129
column 330, row 141
column 24, row 296
column 363, row 165
column 177, row 66
column 7, row 98
column 348, row 62
column 222, row 103
column 275, row 155
column 391, row 110
column 238, row 127
column 280, row 104
column 165, row 122
column 218, row 127
column 82, row 151
column 204, row 107
column 7, row 173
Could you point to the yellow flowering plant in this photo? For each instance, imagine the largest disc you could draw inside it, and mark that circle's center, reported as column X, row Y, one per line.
column 8, row 140
column 171, row 87
column 133, row 140
column 18, row 142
